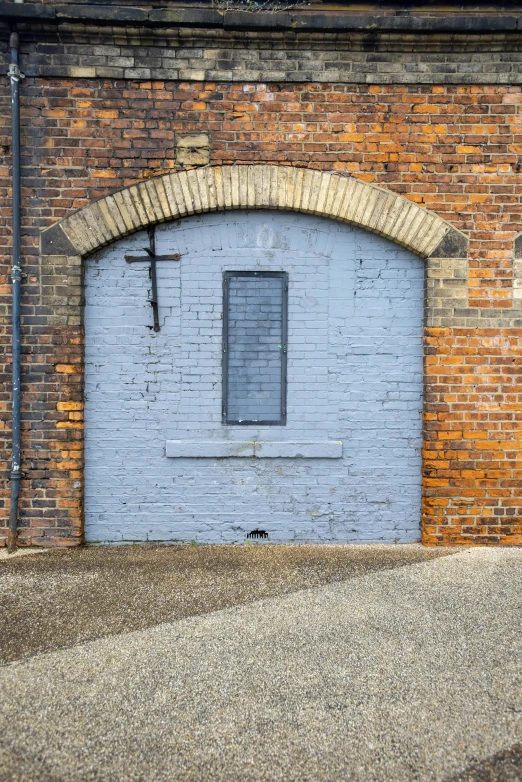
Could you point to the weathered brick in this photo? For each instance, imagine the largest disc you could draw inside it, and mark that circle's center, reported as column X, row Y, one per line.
column 448, row 144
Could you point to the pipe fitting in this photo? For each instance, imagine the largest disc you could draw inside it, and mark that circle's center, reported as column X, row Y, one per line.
column 15, row 73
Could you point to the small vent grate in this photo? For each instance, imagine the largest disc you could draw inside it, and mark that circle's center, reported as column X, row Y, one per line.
column 256, row 534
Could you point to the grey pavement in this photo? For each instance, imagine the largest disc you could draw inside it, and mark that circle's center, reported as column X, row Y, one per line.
column 76, row 595
column 397, row 673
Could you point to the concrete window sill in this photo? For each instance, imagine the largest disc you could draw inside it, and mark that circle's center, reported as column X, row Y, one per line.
column 213, row 449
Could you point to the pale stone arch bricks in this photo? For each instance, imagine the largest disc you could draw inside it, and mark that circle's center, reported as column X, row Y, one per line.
column 347, row 465
column 254, row 187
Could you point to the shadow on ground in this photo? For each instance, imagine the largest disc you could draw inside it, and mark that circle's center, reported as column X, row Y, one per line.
column 505, row 766
column 71, row 596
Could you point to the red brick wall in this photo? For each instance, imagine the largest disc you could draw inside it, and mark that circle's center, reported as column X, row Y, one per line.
column 473, row 441
column 457, row 150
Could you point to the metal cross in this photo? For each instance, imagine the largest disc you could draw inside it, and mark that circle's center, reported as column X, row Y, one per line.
column 152, row 257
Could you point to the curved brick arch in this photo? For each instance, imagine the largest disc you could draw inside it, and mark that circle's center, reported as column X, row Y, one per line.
column 220, row 188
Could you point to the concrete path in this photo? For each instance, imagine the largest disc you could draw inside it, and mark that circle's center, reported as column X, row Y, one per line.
column 395, row 673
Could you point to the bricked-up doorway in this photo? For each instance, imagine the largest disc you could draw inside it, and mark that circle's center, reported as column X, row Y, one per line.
column 69, row 245
column 160, row 462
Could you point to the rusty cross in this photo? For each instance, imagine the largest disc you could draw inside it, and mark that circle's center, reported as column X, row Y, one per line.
column 152, row 258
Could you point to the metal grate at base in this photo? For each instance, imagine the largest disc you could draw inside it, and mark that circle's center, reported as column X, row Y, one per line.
column 257, row 534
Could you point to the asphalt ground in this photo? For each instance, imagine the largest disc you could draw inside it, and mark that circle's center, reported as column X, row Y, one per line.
column 268, row 663
column 64, row 597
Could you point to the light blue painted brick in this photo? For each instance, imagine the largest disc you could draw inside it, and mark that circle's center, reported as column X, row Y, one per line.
column 354, row 374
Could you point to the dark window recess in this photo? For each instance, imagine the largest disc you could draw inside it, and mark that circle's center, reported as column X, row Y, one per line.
column 254, row 347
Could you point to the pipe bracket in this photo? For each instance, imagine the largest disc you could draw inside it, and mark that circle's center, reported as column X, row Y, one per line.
column 14, row 72
column 17, row 275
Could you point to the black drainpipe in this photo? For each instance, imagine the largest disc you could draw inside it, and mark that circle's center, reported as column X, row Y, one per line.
column 16, row 274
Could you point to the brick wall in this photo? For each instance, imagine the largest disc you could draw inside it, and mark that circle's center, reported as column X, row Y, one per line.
column 473, row 487
column 454, row 149
column 354, row 375
column 171, row 54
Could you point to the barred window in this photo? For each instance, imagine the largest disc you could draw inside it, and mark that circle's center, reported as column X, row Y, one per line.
column 254, row 347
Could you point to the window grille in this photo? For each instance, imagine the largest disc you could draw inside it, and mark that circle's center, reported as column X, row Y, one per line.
column 255, row 308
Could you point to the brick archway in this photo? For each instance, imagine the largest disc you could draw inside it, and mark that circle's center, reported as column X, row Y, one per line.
column 209, row 189
column 219, row 188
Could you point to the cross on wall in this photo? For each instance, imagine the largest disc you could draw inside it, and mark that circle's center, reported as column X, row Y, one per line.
column 152, row 258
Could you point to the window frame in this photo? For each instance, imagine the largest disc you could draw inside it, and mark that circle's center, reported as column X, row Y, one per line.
column 227, row 276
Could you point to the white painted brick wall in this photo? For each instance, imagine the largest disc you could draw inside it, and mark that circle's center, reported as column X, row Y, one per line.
column 354, row 374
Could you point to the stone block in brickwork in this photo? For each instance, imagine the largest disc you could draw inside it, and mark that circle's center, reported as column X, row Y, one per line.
column 193, row 150
column 262, row 449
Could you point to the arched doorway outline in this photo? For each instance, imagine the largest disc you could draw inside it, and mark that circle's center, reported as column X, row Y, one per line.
column 223, row 188
column 220, row 189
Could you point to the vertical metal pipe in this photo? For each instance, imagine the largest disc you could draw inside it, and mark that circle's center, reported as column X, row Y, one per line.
column 16, row 276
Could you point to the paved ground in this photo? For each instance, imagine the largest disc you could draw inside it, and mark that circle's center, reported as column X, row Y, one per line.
column 65, row 597
column 262, row 663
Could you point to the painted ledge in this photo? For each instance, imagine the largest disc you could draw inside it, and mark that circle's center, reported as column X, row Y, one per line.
column 267, row 449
